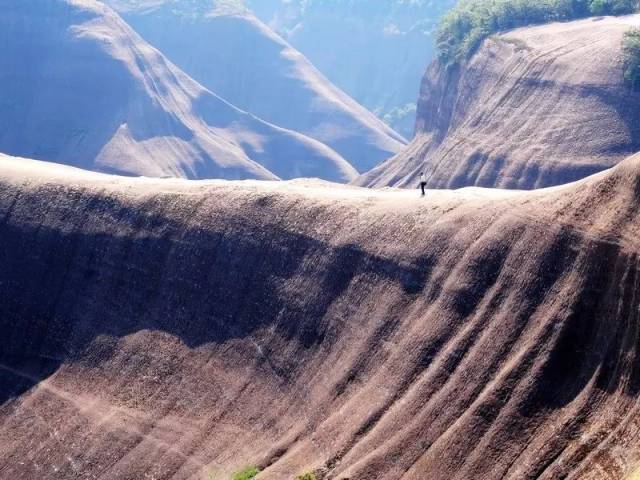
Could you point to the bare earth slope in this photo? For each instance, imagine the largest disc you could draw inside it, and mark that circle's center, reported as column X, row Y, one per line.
column 80, row 87
column 232, row 53
column 534, row 107
column 173, row 330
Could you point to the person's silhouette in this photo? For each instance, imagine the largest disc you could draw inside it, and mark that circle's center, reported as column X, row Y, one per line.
column 423, row 183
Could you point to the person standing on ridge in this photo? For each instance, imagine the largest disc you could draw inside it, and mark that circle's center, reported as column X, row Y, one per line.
column 423, row 183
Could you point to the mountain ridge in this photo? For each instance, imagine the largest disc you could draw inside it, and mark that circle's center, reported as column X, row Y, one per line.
column 262, row 71
column 90, row 92
column 389, row 44
column 471, row 334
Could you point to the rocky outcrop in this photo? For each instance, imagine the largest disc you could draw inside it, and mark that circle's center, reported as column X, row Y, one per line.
column 178, row 330
column 81, row 87
column 534, row 107
column 231, row 52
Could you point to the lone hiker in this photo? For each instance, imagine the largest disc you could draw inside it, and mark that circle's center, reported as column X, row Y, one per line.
column 423, row 183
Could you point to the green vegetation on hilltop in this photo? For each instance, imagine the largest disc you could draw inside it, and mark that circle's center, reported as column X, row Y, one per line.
column 464, row 28
column 631, row 48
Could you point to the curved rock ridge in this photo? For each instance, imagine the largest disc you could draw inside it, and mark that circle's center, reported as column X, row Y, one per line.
column 535, row 107
column 174, row 329
column 80, row 87
column 232, row 53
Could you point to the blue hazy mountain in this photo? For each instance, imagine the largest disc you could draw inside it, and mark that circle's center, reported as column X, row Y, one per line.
column 223, row 46
column 376, row 51
column 80, row 87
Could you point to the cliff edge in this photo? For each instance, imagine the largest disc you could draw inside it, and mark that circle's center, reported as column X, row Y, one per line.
column 534, row 107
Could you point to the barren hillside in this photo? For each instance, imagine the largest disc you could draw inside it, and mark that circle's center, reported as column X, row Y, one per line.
column 232, row 53
column 80, row 87
column 534, row 107
column 170, row 329
column 389, row 42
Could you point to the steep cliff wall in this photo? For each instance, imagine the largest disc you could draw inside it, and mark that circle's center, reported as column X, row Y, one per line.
column 172, row 330
column 534, row 107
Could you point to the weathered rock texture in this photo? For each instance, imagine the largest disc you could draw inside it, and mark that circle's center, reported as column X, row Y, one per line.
column 172, row 330
column 534, row 107
column 80, row 87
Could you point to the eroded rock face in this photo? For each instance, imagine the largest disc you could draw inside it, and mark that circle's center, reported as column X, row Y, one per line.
column 181, row 330
column 80, row 87
column 534, row 107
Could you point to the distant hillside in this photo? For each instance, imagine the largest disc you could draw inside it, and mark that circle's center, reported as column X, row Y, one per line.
column 229, row 51
column 534, row 107
column 81, row 87
column 376, row 51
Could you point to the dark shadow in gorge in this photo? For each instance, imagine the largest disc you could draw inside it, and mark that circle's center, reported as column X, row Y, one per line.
column 60, row 290
column 19, row 374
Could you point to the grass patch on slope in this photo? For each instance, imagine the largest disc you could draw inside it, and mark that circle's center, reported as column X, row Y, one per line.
column 246, row 474
column 631, row 49
column 307, row 476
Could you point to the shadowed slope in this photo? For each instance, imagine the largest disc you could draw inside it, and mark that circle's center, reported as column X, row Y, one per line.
column 534, row 107
column 200, row 327
column 81, row 88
